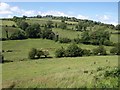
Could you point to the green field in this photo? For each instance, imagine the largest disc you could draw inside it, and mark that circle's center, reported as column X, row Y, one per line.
column 8, row 23
column 115, row 38
column 21, row 47
column 54, row 73
column 19, row 71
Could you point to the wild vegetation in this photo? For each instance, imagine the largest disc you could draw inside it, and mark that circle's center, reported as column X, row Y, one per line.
column 61, row 52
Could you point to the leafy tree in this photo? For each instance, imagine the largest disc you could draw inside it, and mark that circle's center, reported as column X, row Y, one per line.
column 32, row 53
column 85, row 37
column 33, row 31
column 77, row 40
column 45, row 53
column 47, row 33
column 60, row 52
column 24, row 17
column 39, row 16
column 18, row 35
column 23, row 25
column 78, row 28
column 64, row 40
column 117, row 27
column 39, row 53
column 99, row 51
column 116, row 49
column 99, row 36
column 49, row 24
column 56, row 25
column 36, row 53
column 86, row 52
column 73, row 51
column 63, row 25
column 108, row 43
column 13, row 25
column 81, row 26
column 15, row 18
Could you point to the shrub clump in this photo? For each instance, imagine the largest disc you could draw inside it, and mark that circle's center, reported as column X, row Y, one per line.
column 72, row 51
column 36, row 54
column 18, row 35
column 115, row 50
column 86, row 52
column 60, row 52
column 64, row 40
column 99, row 51
column 77, row 40
column 32, row 53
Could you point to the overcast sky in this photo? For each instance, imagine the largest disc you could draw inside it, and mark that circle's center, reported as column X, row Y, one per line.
column 106, row 12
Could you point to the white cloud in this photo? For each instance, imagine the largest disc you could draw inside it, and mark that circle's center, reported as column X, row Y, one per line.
column 4, row 6
column 5, row 12
column 55, row 13
column 28, row 13
column 104, row 18
column 9, row 16
column 15, row 9
column 108, row 19
column 82, row 17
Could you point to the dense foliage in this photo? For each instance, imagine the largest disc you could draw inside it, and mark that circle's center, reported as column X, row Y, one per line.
column 36, row 53
column 60, row 52
column 116, row 49
column 99, row 51
column 72, row 51
column 96, row 37
column 64, row 40
column 47, row 33
column 19, row 35
column 33, row 31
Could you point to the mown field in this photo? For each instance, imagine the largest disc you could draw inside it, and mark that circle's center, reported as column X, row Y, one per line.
column 19, row 71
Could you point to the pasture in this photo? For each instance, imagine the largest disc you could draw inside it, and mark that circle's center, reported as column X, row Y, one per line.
column 55, row 73
column 21, row 48
column 68, row 72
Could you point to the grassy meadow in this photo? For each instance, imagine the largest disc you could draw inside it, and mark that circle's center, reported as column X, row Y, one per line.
column 55, row 73
column 19, row 71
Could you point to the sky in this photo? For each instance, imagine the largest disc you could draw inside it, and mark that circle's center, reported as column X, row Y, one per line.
column 106, row 12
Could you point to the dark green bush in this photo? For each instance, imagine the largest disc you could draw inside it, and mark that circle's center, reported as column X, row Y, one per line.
column 33, row 30
column 108, row 43
column 116, row 49
column 86, row 52
column 39, row 54
column 18, row 35
column 60, row 52
column 32, row 53
column 36, row 53
column 47, row 33
column 64, row 40
column 73, row 51
column 77, row 40
column 99, row 51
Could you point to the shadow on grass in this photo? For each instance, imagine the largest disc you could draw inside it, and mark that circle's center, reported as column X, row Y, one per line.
column 45, row 57
column 6, row 61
